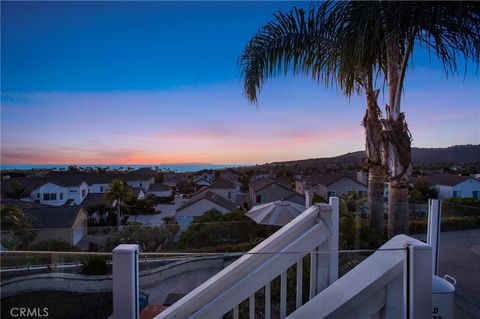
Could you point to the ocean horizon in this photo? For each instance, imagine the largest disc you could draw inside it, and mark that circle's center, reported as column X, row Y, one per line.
column 180, row 168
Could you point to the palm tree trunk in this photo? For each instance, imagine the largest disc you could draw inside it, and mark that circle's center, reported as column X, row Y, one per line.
column 397, row 148
column 397, row 209
column 376, row 172
column 376, row 179
column 119, row 222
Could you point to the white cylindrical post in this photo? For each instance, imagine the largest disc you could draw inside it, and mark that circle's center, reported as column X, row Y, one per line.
column 418, row 281
column 433, row 232
column 308, row 198
column 125, row 282
column 333, row 242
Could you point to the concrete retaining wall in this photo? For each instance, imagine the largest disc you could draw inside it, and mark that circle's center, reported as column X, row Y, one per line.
column 87, row 283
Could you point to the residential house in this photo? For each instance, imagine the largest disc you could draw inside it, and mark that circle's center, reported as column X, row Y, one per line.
column 204, row 177
column 60, row 190
column 226, row 189
column 266, row 190
column 138, row 193
column 160, row 190
column 200, row 203
column 173, row 179
column 259, row 175
column 67, row 223
column 232, row 175
column 330, row 185
column 454, row 186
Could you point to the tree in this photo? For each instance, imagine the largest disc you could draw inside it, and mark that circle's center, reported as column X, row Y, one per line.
column 120, row 193
column 348, row 42
column 449, row 30
column 17, row 190
column 308, row 44
column 13, row 218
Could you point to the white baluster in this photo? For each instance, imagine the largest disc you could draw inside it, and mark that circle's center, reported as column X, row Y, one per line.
column 299, row 283
column 251, row 306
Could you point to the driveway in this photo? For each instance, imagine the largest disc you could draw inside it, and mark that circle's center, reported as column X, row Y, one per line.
column 155, row 220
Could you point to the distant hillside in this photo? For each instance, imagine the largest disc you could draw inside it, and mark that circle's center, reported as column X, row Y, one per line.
column 458, row 154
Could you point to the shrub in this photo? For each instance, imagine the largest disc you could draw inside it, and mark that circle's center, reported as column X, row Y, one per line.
column 95, row 265
column 54, row 245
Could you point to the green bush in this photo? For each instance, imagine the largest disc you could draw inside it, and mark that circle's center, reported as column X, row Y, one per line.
column 95, row 265
column 419, row 226
column 213, row 229
column 54, row 245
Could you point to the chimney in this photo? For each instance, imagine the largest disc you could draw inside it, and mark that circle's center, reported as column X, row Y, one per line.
column 308, row 198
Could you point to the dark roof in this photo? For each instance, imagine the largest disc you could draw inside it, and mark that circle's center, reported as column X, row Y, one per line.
column 136, row 191
column 326, row 179
column 145, row 171
column 21, row 203
column 232, row 171
column 260, row 184
column 159, row 187
column 211, row 196
column 261, row 173
column 93, row 199
column 30, row 183
column 52, row 217
column 222, row 184
column 290, row 196
column 444, row 179
column 204, row 171
column 100, row 177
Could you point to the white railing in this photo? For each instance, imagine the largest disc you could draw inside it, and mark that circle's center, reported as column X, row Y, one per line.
column 314, row 230
column 394, row 282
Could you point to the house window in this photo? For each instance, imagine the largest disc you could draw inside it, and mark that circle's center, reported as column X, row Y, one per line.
column 331, row 193
column 456, row 194
column 476, row 194
column 140, row 184
column 61, row 196
column 259, row 199
column 101, row 189
column 38, row 195
column 49, row 196
column 229, row 195
column 84, row 192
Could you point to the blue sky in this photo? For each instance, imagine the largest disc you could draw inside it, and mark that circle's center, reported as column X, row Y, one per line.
column 158, row 82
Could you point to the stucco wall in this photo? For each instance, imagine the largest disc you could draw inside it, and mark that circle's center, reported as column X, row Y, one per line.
column 345, row 185
column 224, row 193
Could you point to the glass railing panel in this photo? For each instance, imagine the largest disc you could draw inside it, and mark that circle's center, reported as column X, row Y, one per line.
column 459, row 253
column 56, row 284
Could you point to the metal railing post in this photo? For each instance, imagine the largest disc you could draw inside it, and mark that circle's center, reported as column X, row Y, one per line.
column 433, row 232
column 125, row 282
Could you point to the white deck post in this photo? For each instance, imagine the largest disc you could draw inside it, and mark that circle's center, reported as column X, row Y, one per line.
column 418, row 281
column 125, row 282
column 327, row 257
column 433, row 232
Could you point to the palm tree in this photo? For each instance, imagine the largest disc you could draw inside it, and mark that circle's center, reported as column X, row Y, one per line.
column 13, row 218
column 449, row 30
column 17, row 190
column 119, row 192
column 350, row 41
column 308, row 44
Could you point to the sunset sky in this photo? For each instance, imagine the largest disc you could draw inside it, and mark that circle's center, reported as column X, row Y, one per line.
column 152, row 83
